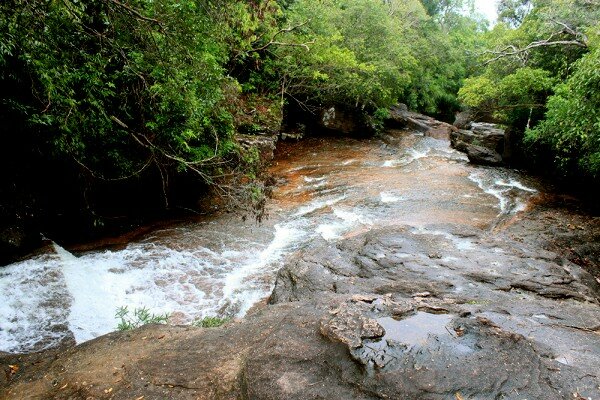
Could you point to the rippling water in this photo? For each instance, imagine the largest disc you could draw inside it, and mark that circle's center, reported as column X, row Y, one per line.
column 328, row 189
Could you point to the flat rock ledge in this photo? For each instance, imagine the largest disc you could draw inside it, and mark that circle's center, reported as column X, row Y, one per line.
column 401, row 117
column 393, row 313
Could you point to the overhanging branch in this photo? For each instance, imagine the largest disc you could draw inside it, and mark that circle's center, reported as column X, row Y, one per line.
column 577, row 39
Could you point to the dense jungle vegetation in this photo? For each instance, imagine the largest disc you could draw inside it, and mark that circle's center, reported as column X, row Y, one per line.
column 111, row 109
column 540, row 75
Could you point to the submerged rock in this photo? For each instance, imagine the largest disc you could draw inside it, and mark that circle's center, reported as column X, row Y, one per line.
column 484, row 143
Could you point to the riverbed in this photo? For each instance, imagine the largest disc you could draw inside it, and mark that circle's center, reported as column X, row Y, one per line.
column 327, row 190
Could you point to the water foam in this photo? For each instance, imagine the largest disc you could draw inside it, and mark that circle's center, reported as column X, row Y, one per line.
column 515, row 184
column 199, row 270
column 344, row 221
column 387, row 197
column 310, row 180
column 408, row 158
column 241, row 294
column 512, row 195
column 35, row 304
column 317, row 205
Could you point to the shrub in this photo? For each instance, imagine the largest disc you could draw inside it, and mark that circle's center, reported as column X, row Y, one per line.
column 210, row 322
column 129, row 320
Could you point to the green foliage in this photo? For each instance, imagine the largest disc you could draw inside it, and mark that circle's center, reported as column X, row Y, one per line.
column 571, row 128
column 540, row 75
column 155, row 91
column 369, row 54
column 513, row 12
column 129, row 320
column 478, row 92
column 119, row 90
column 379, row 117
column 510, row 96
column 210, row 322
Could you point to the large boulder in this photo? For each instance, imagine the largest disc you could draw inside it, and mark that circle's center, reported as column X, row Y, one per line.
column 463, row 119
column 401, row 117
column 484, row 143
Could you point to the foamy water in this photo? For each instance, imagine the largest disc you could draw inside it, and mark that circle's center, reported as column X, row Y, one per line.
column 224, row 267
column 387, row 197
column 503, row 184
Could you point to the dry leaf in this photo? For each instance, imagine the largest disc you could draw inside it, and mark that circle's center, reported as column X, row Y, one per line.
column 458, row 396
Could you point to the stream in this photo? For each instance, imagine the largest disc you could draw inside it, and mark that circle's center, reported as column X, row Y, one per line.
column 327, row 189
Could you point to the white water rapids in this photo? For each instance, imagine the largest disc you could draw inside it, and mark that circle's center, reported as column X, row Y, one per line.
column 331, row 189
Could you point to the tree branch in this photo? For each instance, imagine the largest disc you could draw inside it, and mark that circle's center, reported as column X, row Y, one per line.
column 134, row 12
column 579, row 40
column 274, row 42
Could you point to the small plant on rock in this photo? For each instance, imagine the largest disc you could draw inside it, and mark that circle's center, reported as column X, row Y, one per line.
column 129, row 320
column 210, row 322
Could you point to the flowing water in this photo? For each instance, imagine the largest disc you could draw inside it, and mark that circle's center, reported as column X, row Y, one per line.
column 328, row 189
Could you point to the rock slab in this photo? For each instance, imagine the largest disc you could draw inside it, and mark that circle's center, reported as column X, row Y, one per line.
column 483, row 143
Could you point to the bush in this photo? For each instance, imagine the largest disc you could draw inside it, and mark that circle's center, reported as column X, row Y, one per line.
column 572, row 125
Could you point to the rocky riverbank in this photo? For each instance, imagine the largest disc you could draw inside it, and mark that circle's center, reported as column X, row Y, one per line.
column 391, row 313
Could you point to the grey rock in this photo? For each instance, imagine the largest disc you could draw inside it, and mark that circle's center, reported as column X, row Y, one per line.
column 463, row 119
column 373, row 316
column 484, row 143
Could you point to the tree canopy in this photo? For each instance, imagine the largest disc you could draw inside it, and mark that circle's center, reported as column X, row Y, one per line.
column 539, row 75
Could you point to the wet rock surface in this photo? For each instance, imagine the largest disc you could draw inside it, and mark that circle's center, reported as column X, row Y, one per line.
column 401, row 117
column 391, row 313
column 435, row 295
